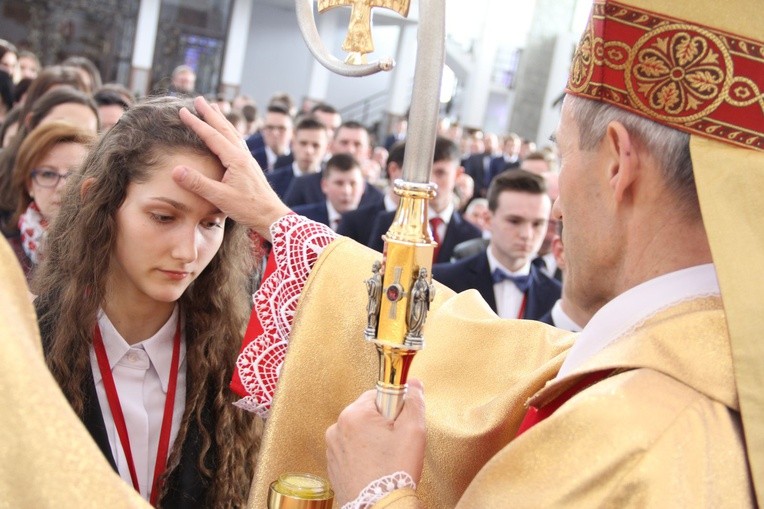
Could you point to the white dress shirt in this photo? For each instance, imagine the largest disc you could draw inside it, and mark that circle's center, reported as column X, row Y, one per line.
column 390, row 204
column 562, row 320
column 445, row 215
column 270, row 158
column 299, row 173
column 509, row 299
column 141, row 374
column 334, row 216
column 624, row 313
column 550, row 264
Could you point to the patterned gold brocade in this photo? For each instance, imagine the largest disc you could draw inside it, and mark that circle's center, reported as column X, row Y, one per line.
column 469, row 393
column 47, row 458
column 611, row 445
column 693, row 77
column 622, row 442
column 698, row 66
column 730, row 182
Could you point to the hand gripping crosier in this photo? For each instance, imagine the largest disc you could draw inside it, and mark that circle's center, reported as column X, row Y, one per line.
column 400, row 288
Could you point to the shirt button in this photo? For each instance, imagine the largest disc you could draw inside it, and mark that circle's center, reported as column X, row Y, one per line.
column 133, row 357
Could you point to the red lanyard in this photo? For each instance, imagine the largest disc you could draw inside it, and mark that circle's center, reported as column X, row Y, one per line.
column 119, row 417
column 522, row 306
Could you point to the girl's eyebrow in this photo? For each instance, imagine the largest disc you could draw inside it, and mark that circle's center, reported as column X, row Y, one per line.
column 182, row 207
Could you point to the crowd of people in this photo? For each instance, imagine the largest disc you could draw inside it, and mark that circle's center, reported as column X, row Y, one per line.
column 145, row 226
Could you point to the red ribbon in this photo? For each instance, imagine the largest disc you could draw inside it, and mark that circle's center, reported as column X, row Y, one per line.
column 119, row 418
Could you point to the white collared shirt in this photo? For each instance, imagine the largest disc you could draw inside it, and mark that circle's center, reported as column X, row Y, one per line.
column 550, row 264
column 445, row 215
column 334, row 216
column 562, row 320
column 299, row 173
column 141, row 374
column 270, row 158
column 509, row 299
column 632, row 307
column 390, row 204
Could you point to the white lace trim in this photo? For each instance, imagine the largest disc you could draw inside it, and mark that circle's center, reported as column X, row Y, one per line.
column 297, row 244
column 376, row 490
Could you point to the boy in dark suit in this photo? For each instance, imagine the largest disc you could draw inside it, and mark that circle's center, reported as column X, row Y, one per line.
column 309, row 147
column 448, row 227
column 342, row 183
column 503, row 274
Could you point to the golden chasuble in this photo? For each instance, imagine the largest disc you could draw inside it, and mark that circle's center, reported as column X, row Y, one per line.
column 474, row 399
column 612, row 444
column 47, row 458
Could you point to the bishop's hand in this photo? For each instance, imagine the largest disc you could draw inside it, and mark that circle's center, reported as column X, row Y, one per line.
column 244, row 193
column 364, row 446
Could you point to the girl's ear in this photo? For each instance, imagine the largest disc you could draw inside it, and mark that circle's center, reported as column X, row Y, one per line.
column 85, row 187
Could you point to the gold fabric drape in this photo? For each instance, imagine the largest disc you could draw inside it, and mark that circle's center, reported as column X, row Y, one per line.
column 47, row 458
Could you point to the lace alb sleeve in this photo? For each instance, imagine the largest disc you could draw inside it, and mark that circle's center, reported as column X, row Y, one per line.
column 376, row 490
column 297, row 244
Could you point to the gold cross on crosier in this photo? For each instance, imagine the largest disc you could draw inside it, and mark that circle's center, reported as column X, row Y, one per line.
column 358, row 41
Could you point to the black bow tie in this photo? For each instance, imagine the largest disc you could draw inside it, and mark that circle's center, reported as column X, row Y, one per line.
column 521, row 282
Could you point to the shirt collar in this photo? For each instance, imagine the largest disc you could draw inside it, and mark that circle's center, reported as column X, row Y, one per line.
column 445, row 214
column 299, row 173
column 561, row 318
column 493, row 264
column 333, row 214
column 634, row 306
column 390, row 205
column 158, row 347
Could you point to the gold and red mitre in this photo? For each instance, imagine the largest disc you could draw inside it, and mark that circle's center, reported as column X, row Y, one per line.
column 698, row 66
column 679, row 72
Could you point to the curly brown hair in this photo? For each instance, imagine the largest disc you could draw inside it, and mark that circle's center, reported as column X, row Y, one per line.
column 71, row 284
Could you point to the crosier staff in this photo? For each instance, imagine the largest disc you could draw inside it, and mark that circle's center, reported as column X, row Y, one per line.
column 398, row 307
column 400, row 288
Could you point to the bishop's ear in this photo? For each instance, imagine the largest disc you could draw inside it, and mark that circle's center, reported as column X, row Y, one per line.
column 623, row 159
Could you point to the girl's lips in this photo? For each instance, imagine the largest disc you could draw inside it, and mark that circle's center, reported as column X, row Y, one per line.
column 174, row 274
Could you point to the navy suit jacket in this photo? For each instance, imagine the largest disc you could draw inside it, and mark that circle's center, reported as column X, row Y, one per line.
column 475, row 272
column 304, row 189
column 547, row 318
column 280, row 179
column 284, row 160
column 357, row 224
column 499, row 164
column 256, row 146
column 262, row 159
column 255, row 142
column 458, row 231
column 315, row 211
column 474, row 166
column 307, row 189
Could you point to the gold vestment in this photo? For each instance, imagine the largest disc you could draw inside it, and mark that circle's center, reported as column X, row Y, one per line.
column 47, row 457
column 613, row 444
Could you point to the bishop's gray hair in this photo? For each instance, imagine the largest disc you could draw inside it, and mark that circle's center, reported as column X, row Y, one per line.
column 670, row 148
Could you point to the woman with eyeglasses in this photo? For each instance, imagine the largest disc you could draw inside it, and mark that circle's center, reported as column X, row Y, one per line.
column 46, row 158
column 62, row 103
column 142, row 303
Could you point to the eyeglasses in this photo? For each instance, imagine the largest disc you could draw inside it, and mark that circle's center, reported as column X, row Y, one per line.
column 46, row 177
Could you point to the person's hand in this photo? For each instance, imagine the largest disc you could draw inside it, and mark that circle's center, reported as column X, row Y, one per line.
column 364, row 446
column 244, row 193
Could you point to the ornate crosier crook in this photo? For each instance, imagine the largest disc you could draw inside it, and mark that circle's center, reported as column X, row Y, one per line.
column 398, row 306
column 400, row 288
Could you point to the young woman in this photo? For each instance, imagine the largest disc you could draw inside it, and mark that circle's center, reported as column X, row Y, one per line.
column 46, row 158
column 63, row 103
column 142, row 305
